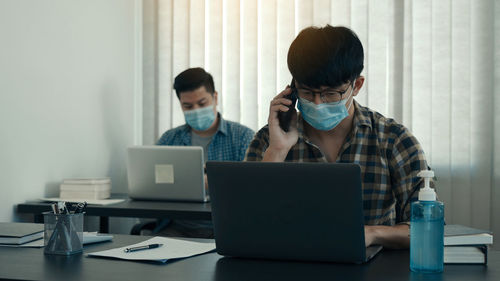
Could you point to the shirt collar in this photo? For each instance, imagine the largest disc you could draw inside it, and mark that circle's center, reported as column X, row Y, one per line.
column 186, row 135
column 223, row 125
column 361, row 116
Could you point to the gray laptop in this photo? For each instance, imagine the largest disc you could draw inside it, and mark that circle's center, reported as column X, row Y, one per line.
column 292, row 211
column 166, row 173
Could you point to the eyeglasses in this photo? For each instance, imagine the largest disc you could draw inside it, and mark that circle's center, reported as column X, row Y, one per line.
column 327, row 96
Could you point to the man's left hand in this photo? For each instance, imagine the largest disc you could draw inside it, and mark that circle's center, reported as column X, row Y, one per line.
column 393, row 237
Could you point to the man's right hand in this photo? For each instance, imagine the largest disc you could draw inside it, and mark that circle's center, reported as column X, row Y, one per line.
column 280, row 142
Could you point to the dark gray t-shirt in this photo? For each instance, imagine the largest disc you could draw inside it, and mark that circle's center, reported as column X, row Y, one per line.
column 204, row 142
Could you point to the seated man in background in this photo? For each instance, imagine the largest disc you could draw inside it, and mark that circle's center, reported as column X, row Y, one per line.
column 326, row 64
column 221, row 140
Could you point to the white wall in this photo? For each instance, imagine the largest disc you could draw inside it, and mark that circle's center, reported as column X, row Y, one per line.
column 67, row 82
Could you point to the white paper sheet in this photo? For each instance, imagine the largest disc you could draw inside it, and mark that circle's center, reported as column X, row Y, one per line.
column 89, row 201
column 94, row 237
column 171, row 249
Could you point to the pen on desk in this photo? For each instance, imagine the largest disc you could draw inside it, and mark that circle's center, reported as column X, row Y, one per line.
column 139, row 248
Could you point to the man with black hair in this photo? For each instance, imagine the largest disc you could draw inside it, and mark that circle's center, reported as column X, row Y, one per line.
column 221, row 140
column 326, row 64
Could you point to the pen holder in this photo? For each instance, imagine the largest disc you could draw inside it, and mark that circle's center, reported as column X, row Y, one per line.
column 63, row 233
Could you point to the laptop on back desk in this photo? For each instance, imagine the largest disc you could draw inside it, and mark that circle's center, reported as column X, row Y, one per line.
column 173, row 173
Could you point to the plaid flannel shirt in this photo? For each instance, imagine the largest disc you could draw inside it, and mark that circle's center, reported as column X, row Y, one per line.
column 389, row 156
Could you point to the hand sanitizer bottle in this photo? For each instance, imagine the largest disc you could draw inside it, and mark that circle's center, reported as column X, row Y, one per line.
column 427, row 229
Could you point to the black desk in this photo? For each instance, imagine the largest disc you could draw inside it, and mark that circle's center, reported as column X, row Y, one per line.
column 131, row 209
column 32, row 264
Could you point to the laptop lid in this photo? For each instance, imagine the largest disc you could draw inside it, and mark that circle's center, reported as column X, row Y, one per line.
column 166, row 173
column 293, row 211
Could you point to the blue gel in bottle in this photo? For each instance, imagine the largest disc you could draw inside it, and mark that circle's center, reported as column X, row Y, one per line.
column 427, row 230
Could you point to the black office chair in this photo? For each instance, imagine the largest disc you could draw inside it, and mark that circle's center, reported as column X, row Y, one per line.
column 152, row 227
column 138, row 228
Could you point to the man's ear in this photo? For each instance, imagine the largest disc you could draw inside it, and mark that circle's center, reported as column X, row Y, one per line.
column 358, row 85
column 215, row 98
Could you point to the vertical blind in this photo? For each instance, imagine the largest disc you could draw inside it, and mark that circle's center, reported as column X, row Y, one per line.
column 433, row 65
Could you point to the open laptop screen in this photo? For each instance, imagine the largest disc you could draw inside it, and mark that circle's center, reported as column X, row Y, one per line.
column 296, row 211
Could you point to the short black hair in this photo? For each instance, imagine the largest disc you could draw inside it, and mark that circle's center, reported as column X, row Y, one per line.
column 325, row 56
column 193, row 78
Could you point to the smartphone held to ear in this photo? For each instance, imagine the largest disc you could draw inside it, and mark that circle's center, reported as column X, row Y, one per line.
column 285, row 118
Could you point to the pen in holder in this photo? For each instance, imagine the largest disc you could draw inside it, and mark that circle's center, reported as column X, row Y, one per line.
column 63, row 233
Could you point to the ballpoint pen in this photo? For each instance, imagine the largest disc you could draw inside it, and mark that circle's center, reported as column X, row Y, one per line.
column 139, row 248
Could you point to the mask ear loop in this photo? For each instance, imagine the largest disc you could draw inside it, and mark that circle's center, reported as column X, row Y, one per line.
column 352, row 91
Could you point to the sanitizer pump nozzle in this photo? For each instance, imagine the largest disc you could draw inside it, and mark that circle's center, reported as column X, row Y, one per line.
column 426, row 193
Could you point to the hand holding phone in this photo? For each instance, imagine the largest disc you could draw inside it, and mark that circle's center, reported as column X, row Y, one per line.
column 283, row 135
column 285, row 118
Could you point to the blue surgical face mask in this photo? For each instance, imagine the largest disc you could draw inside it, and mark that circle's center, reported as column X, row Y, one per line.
column 200, row 119
column 324, row 116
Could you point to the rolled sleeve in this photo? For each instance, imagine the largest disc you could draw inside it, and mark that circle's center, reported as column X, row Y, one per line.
column 258, row 145
column 407, row 160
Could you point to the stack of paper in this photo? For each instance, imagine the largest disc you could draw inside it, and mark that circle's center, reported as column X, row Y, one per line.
column 171, row 249
column 99, row 188
column 78, row 200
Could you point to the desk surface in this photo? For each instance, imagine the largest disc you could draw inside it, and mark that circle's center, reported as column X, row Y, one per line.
column 134, row 208
column 32, row 264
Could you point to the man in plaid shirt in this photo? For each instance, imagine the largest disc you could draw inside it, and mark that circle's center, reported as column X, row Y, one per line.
column 326, row 64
